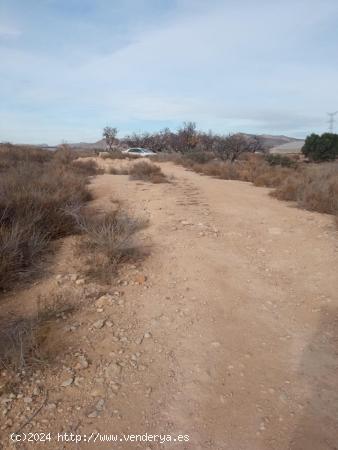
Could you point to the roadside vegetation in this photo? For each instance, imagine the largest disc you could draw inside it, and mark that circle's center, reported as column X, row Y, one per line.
column 23, row 338
column 147, row 171
column 39, row 193
column 107, row 241
column 141, row 170
column 43, row 197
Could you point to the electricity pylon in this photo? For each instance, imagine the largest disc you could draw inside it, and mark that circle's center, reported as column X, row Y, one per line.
column 331, row 120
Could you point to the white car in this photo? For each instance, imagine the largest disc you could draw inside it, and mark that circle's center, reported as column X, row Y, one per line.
column 137, row 151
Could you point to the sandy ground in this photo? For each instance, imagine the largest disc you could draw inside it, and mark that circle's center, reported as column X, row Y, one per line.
column 227, row 332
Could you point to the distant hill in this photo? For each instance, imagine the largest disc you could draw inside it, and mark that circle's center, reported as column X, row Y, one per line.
column 269, row 140
column 289, row 147
column 89, row 146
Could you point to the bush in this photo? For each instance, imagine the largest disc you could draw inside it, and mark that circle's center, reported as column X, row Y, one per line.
column 321, row 148
column 279, row 160
column 314, row 188
column 11, row 155
column 37, row 199
column 147, row 171
column 86, row 168
column 108, row 240
column 22, row 339
column 199, row 157
column 116, row 155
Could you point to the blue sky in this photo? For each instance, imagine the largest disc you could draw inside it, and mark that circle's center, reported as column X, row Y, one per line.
column 70, row 67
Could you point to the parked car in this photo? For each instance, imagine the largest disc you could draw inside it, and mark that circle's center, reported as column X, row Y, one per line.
column 137, row 151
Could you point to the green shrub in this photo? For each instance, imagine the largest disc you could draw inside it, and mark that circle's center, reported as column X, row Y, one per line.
column 321, row 148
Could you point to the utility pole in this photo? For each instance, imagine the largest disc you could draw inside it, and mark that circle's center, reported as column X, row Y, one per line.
column 331, row 120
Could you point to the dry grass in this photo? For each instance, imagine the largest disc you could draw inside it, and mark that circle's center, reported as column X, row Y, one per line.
column 118, row 171
column 107, row 241
column 39, row 191
column 147, row 171
column 86, row 168
column 315, row 188
column 116, row 155
column 23, row 339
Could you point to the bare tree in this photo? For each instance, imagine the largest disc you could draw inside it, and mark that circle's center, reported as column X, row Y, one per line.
column 255, row 145
column 232, row 147
column 187, row 137
column 109, row 133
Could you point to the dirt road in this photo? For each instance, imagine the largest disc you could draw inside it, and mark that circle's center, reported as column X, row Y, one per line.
column 227, row 331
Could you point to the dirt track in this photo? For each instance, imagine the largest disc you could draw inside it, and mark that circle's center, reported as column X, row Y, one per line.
column 240, row 303
column 244, row 299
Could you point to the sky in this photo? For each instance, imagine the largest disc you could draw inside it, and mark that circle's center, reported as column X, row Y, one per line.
column 70, row 67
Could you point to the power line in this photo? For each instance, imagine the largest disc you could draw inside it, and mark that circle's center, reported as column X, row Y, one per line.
column 331, row 120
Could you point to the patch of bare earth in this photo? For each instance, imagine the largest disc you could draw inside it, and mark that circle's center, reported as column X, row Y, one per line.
column 227, row 332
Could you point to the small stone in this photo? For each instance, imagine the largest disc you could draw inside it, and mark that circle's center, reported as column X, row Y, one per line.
column 147, row 335
column 99, row 405
column 113, row 370
column 114, row 386
column 93, row 414
column 148, row 392
column 97, row 392
column 51, row 406
column 104, row 300
column 67, row 382
column 77, row 381
column 99, row 324
column 215, row 344
column 80, row 282
column 28, row 399
column 36, row 391
column 140, row 279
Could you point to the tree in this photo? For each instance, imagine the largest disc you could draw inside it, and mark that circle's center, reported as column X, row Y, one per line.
column 255, row 145
column 109, row 133
column 231, row 147
column 187, row 137
column 321, row 148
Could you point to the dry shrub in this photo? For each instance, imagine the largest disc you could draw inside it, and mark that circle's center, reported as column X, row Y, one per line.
column 86, row 168
column 147, row 171
column 271, row 177
column 113, row 171
column 11, row 155
column 115, row 155
column 107, row 241
column 314, row 188
column 22, row 339
column 20, row 249
column 253, row 168
column 37, row 199
column 64, row 154
column 121, row 171
column 175, row 158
